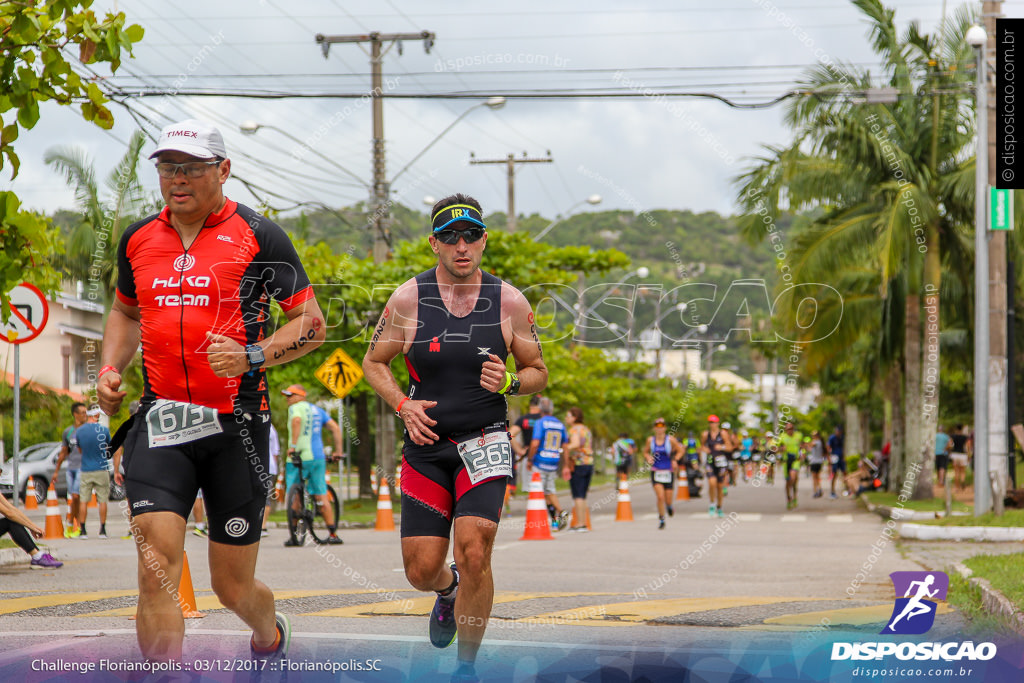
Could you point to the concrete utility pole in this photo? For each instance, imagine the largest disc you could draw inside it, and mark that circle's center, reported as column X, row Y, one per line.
column 510, row 162
column 380, row 199
column 998, row 424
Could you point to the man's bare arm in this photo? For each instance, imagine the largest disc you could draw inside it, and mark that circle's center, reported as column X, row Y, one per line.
column 120, row 342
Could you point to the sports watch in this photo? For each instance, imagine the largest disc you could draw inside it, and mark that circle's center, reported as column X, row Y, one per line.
column 255, row 354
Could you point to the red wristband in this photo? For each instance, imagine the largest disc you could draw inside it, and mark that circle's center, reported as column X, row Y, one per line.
column 107, row 368
column 398, row 410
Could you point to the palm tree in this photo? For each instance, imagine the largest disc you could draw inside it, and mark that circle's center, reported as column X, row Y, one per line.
column 91, row 252
column 890, row 188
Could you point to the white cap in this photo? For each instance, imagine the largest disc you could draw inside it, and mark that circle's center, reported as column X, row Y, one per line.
column 94, row 411
column 193, row 137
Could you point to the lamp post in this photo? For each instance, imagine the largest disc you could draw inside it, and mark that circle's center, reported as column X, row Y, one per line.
column 593, row 200
column 712, row 347
column 977, row 38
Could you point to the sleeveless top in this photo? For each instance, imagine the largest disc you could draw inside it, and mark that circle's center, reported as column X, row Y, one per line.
column 661, row 454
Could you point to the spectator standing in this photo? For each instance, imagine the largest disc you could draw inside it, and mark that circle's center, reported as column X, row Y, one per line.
column 94, row 440
column 958, row 455
column 69, row 449
column 942, row 444
column 837, row 458
column 579, row 464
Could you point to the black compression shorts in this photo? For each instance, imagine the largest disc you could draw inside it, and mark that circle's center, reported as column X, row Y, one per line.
column 231, row 468
column 436, row 489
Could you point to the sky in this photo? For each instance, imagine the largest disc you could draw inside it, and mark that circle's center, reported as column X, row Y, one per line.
column 638, row 154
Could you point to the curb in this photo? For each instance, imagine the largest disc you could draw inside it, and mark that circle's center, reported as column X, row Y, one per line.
column 886, row 512
column 11, row 556
column 992, row 600
column 928, row 532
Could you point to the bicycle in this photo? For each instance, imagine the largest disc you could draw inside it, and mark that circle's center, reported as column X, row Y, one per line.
column 303, row 510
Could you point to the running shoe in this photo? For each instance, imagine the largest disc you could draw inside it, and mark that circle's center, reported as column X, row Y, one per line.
column 45, row 561
column 465, row 673
column 83, row 536
column 200, row 531
column 833, row 496
column 442, row 618
column 103, row 532
column 661, row 522
column 711, row 510
column 668, row 508
column 264, row 533
column 284, row 629
column 334, row 539
column 725, row 490
column 563, row 519
column 74, row 533
column 721, row 512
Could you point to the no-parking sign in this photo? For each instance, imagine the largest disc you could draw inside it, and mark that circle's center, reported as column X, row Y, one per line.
column 28, row 314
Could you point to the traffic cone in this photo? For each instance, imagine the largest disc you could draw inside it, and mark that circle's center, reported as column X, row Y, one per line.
column 71, row 511
column 684, row 486
column 279, row 488
column 572, row 522
column 537, row 528
column 186, row 595
column 30, row 495
column 624, row 510
column 54, row 527
column 373, row 480
column 398, row 480
column 93, row 503
column 385, row 520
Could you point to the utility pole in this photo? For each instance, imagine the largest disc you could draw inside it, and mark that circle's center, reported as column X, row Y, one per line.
column 510, row 163
column 998, row 442
column 380, row 200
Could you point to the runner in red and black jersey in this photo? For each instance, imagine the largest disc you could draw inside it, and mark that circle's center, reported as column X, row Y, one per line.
column 194, row 287
column 456, row 326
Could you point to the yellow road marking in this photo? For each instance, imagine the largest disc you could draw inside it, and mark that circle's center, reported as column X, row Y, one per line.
column 849, row 616
column 645, row 610
column 422, row 606
column 11, row 605
column 210, row 602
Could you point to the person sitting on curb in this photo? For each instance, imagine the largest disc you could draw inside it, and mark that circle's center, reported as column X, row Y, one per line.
column 14, row 522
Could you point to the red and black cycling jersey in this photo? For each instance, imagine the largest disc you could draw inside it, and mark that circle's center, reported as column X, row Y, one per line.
column 221, row 283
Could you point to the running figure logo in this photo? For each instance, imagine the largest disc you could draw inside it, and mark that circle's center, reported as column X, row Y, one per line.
column 914, row 613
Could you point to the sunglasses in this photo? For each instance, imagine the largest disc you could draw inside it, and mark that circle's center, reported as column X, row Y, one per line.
column 449, row 236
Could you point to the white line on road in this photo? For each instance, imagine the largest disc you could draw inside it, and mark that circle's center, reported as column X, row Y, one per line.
column 794, row 518
column 844, row 519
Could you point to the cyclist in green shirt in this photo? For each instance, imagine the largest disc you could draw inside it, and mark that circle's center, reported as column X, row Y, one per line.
column 791, row 444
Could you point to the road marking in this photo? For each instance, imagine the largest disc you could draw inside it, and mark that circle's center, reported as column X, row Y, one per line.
column 422, row 606
column 845, row 519
column 634, row 611
column 748, row 516
column 11, row 605
column 210, row 602
column 793, row 518
column 850, row 616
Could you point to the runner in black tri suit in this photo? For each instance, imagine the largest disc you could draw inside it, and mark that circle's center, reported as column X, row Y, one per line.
column 194, row 285
column 456, row 326
column 717, row 447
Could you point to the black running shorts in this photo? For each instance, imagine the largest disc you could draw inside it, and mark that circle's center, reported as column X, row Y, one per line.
column 436, row 489
column 231, row 468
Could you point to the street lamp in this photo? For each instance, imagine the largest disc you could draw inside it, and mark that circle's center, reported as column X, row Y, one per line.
column 593, row 200
column 582, row 310
column 977, row 38
column 250, row 128
column 492, row 103
column 712, row 347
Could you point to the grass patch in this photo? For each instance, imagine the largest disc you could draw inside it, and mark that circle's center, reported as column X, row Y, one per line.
column 7, row 543
column 932, row 505
column 355, row 511
column 1003, row 572
column 965, row 597
column 1009, row 518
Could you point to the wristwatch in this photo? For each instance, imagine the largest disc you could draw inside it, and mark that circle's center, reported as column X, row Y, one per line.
column 255, row 354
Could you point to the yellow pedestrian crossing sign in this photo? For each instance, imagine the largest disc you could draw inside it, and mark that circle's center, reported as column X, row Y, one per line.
column 339, row 373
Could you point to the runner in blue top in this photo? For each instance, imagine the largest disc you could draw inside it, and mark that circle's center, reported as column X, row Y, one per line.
column 547, row 452
column 837, row 458
column 625, row 449
column 94, row 440
column 661, row 452
column 746, row 452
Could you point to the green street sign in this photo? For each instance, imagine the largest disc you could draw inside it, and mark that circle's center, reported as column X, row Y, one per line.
column 1001, row 203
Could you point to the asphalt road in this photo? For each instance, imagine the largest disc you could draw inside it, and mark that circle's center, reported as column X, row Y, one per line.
column 759, row 580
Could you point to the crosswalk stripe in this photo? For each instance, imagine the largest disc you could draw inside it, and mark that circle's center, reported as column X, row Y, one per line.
column 646, row 610
column 793, row 518
column 839, row 518
column 423, row 605
column 849, row 616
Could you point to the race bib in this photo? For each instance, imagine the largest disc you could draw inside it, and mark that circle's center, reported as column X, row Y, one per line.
column 486, row 456
column 663, row 476
column 721, row 461
column 170, row 423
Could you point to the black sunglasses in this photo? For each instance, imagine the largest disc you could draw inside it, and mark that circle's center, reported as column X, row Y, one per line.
column 449, row 236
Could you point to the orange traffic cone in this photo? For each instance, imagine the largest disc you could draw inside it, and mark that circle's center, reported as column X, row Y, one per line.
column 30, row 495
column 684, row 486
column 71, row 511
column 624, row 511
column 385, row 520
column 93, row 503
column 373, row 480
column 54, row 527
column 186, row 595
column 537, row 528
column 398, row 480
column 572, row 522
column 279, row 488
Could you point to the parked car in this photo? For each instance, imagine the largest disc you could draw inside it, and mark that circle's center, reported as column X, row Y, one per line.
column 39, row 462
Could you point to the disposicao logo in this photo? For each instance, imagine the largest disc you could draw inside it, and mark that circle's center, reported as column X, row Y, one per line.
column 914, row 613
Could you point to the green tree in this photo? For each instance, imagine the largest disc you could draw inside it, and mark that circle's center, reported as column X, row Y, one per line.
column 891, row 184
column 36, row 38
